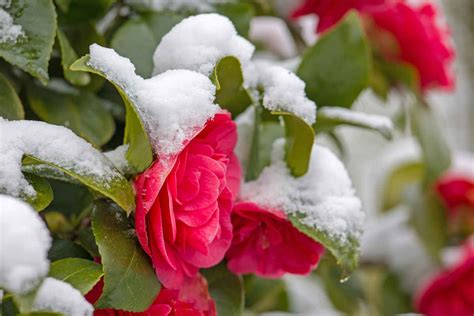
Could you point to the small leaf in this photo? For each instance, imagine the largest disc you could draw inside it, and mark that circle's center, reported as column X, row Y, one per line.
column 31, row 52
column 139, row 154
column 68, row 56
column 130, row 281
column 79, row 11
column 265, row 295
column 11, row 107
column 64, row 249
column 239, row 13
column 161, row 22
column 299, row 143
column 81, row 111
column 346, row 254
column 230, row 93
column 80, row 273
column 132, row 34
column 332, row 117
column 226, row 290
column 336, row 69
column 44, row 193
column 436, row 153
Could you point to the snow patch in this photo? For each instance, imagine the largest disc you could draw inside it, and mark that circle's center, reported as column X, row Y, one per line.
column 117, row 157
column 58, row 296
column 173, row 105
column 197, row 43
column 324, row 194
column 284, row 91
column 9, row 32
column 51, row 143
column 24, row 244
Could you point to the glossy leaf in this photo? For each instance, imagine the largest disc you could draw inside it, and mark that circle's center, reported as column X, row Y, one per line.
column 239, row 13
column 11, row 107
column 130, row 281
column 68, row 56
column 327, row 123
column 336, row 69
column 82, row 274
column 226, row 290
column 139, row 154
column 131, row 35
column 44, row 193
column 117, row 189
column 346, row 254
column 31, row 52
column 81, row 111
column 299, row 143
column 436, row 153
column 64, row 249
column 229, row 80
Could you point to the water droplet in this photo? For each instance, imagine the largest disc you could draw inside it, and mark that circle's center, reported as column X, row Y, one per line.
column 344, row 279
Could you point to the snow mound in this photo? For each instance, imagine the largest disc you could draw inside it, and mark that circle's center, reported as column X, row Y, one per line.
column 50, row 143
column 173, row 105
column 197, row 43
column 24, row 244
column 58, row 296
column 324, row 195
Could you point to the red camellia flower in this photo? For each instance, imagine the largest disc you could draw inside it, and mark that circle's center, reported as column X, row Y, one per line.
column 265, row 243
column 419, row 40
column 451, row 292
column 184, row 203
column 192, row 299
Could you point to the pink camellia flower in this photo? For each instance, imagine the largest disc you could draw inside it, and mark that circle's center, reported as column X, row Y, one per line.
column 192, row 299
column 184, row 203
column 419, row 40
column 265, row 243
column 451, row 292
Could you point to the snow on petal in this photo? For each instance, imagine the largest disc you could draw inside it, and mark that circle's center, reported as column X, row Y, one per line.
column 173, row 105
column 199, row 42
column 51, row 143
column 24, row 244
column 324, row 194
column 284, row 91
column 58, row 296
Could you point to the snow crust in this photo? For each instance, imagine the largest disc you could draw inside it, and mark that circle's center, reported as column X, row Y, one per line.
column 58, row 296
column 324, row 194
column 173, row 105
column 51, row 143
column 9, row 32
column 197, row 43
column 285, row 91
column 371, row 120
column 24, row 244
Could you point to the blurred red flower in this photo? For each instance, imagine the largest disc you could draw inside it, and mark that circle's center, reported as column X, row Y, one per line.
column 418, row 39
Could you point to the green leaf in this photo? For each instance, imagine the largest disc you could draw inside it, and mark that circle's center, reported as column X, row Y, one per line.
column 63, row 249
column 226, row 290
column 68, row 56
column 81, row 111
column 428, row 217
column 399, row 181
column 385, row 74
column 139, row 154
column 117, row 189
column 345, row 253
column 40, row 314
column 80, row 273
column 86, row 239
column 11, row 107
column 239, row 13
column 265, row 295
column 79, row 11
column 394, row 300
column 31, row 53
column 336, row 69
column 130, row 281
column 70, row 199
column 44, row 193
column 299, row 143
column 132, row 34
column 436, row 153
column 326, row 121
column 161, row 23
column 230, row 93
